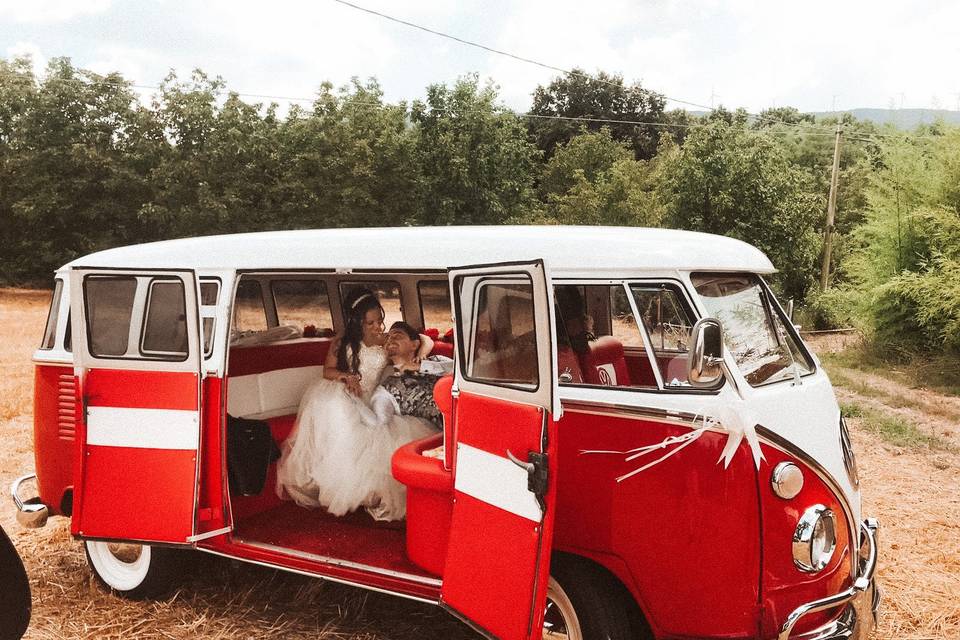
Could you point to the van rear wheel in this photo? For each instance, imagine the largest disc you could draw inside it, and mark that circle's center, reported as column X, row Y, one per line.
column 131, row 570
column 584, row 603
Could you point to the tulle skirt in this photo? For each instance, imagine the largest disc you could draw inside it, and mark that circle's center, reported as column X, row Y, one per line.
column 338, row 454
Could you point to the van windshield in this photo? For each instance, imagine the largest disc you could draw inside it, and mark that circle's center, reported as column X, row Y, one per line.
column 753, row 329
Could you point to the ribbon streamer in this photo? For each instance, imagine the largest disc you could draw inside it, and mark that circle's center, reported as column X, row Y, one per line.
column 732, row 416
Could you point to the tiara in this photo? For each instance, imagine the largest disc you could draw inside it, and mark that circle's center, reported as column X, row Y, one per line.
column 361, row 299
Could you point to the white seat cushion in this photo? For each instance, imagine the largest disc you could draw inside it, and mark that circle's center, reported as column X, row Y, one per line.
column 269, row 394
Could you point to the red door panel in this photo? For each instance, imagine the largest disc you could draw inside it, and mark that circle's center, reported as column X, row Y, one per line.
column 497, row 527
column 139, row 455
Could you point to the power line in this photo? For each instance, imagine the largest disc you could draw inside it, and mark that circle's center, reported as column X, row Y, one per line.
column 544, row 65
column 819, row 132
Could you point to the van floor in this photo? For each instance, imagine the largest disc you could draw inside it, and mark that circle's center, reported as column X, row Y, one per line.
column 355, row 537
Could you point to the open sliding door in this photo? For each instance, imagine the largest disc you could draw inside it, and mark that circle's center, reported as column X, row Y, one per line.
column 137, row 352
column 498, row 557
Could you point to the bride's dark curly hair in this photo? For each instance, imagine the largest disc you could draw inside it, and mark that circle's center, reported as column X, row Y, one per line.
column 356, row 304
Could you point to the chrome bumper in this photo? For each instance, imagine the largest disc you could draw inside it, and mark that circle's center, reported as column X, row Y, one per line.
column 862, row 599
column 31, row 513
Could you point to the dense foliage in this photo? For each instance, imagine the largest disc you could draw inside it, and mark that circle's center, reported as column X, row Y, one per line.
column 86, row 164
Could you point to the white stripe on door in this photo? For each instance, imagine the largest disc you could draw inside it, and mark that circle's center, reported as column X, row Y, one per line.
column 496, row 481
column 143, row 428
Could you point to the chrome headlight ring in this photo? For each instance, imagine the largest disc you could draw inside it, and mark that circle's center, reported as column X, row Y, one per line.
column 815, row 539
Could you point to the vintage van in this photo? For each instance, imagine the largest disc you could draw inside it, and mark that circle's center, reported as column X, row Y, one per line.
column 636, row 442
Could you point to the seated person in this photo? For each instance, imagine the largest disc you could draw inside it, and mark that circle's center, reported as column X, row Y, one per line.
column 406, row 387
column 577, row 325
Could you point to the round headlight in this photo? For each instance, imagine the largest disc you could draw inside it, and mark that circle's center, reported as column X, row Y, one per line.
column 815, row 539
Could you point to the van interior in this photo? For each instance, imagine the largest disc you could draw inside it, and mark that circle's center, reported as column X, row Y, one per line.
column 282, row 330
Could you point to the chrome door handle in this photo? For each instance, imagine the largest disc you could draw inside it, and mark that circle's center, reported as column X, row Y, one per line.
column 529, row 467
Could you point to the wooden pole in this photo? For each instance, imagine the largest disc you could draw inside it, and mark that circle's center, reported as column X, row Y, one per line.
column 831, row 210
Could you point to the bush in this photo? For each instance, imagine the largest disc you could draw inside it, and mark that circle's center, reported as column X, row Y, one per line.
column 831, row 309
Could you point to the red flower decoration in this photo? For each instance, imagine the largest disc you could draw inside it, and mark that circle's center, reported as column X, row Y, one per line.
column 448, row 336
column 433, row 334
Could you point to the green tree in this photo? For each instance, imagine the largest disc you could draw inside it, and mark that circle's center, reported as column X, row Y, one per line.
column 578, row 94
column 350, row 161
column 727, row 179
column 905, row 272
column 594, row 179
column 74, row 151
column 476, row 164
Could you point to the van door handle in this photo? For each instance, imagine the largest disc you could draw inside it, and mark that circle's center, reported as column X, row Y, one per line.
column 536, row 473
column 529, row 467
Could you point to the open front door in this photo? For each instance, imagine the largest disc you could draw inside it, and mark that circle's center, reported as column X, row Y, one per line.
column 498, row 557
column 137, row 352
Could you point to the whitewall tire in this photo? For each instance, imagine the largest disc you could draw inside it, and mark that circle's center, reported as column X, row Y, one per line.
column 131, row 570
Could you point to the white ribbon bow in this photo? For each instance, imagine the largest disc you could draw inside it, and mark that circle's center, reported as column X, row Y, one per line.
column 730, row 414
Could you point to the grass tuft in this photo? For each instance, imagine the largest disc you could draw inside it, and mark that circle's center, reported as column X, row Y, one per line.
column 893, row 428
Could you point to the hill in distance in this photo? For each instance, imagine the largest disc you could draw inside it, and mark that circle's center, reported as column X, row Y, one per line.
column 900, row 118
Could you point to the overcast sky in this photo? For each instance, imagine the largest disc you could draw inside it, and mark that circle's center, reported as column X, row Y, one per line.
column 754, row 54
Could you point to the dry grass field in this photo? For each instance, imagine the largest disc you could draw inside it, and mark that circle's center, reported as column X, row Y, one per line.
column 909, row 454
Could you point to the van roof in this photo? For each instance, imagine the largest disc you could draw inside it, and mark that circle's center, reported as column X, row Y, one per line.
column 566, row 250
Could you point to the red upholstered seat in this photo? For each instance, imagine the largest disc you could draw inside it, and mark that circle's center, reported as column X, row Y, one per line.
column 442, row 349
column 604, row 364
column 429, row 485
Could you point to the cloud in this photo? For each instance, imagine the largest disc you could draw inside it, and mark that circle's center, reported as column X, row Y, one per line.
column 47, row 11
column 24, row 49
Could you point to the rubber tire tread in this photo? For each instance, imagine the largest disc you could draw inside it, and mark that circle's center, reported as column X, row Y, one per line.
column 599, row 600
column 164, row 567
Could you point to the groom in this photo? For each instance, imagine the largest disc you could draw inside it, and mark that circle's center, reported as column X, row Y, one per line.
column 410, row 381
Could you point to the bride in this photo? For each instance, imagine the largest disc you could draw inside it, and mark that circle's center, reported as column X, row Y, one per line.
column 338, row 454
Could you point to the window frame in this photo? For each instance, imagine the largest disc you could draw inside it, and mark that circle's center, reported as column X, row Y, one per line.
column 53, row 314
column 240, row 279
column 163, row 356
column 89, row 325
column 772, row 305
column 444, row 284
column 505, row 278
column 273, row 282
column 208, row 311
column 627, row 282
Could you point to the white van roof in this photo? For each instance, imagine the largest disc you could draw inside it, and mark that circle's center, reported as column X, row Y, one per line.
column 568, row 250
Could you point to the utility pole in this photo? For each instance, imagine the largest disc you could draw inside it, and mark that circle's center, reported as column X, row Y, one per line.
column 831, row 210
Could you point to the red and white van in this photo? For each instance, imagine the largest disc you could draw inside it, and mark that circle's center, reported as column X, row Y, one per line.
column 636, row 442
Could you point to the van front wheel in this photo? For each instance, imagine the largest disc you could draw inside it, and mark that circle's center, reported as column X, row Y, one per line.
column 131, row 570
column 585, row 604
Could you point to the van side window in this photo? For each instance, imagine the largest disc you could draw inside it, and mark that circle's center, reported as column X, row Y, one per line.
column 302, row 303
column 598, row 340
column 109, row 304
column 165, row 322
column 503, row 346
column 386, row 290
column 50, row 332
column 209, row 295
column 669, row 322
column 249, row 313
column 435, row 305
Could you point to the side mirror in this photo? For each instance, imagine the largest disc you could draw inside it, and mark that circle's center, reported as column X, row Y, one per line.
column 706, row 355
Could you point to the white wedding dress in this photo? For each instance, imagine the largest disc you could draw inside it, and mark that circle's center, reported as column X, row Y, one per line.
column 338, row 454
